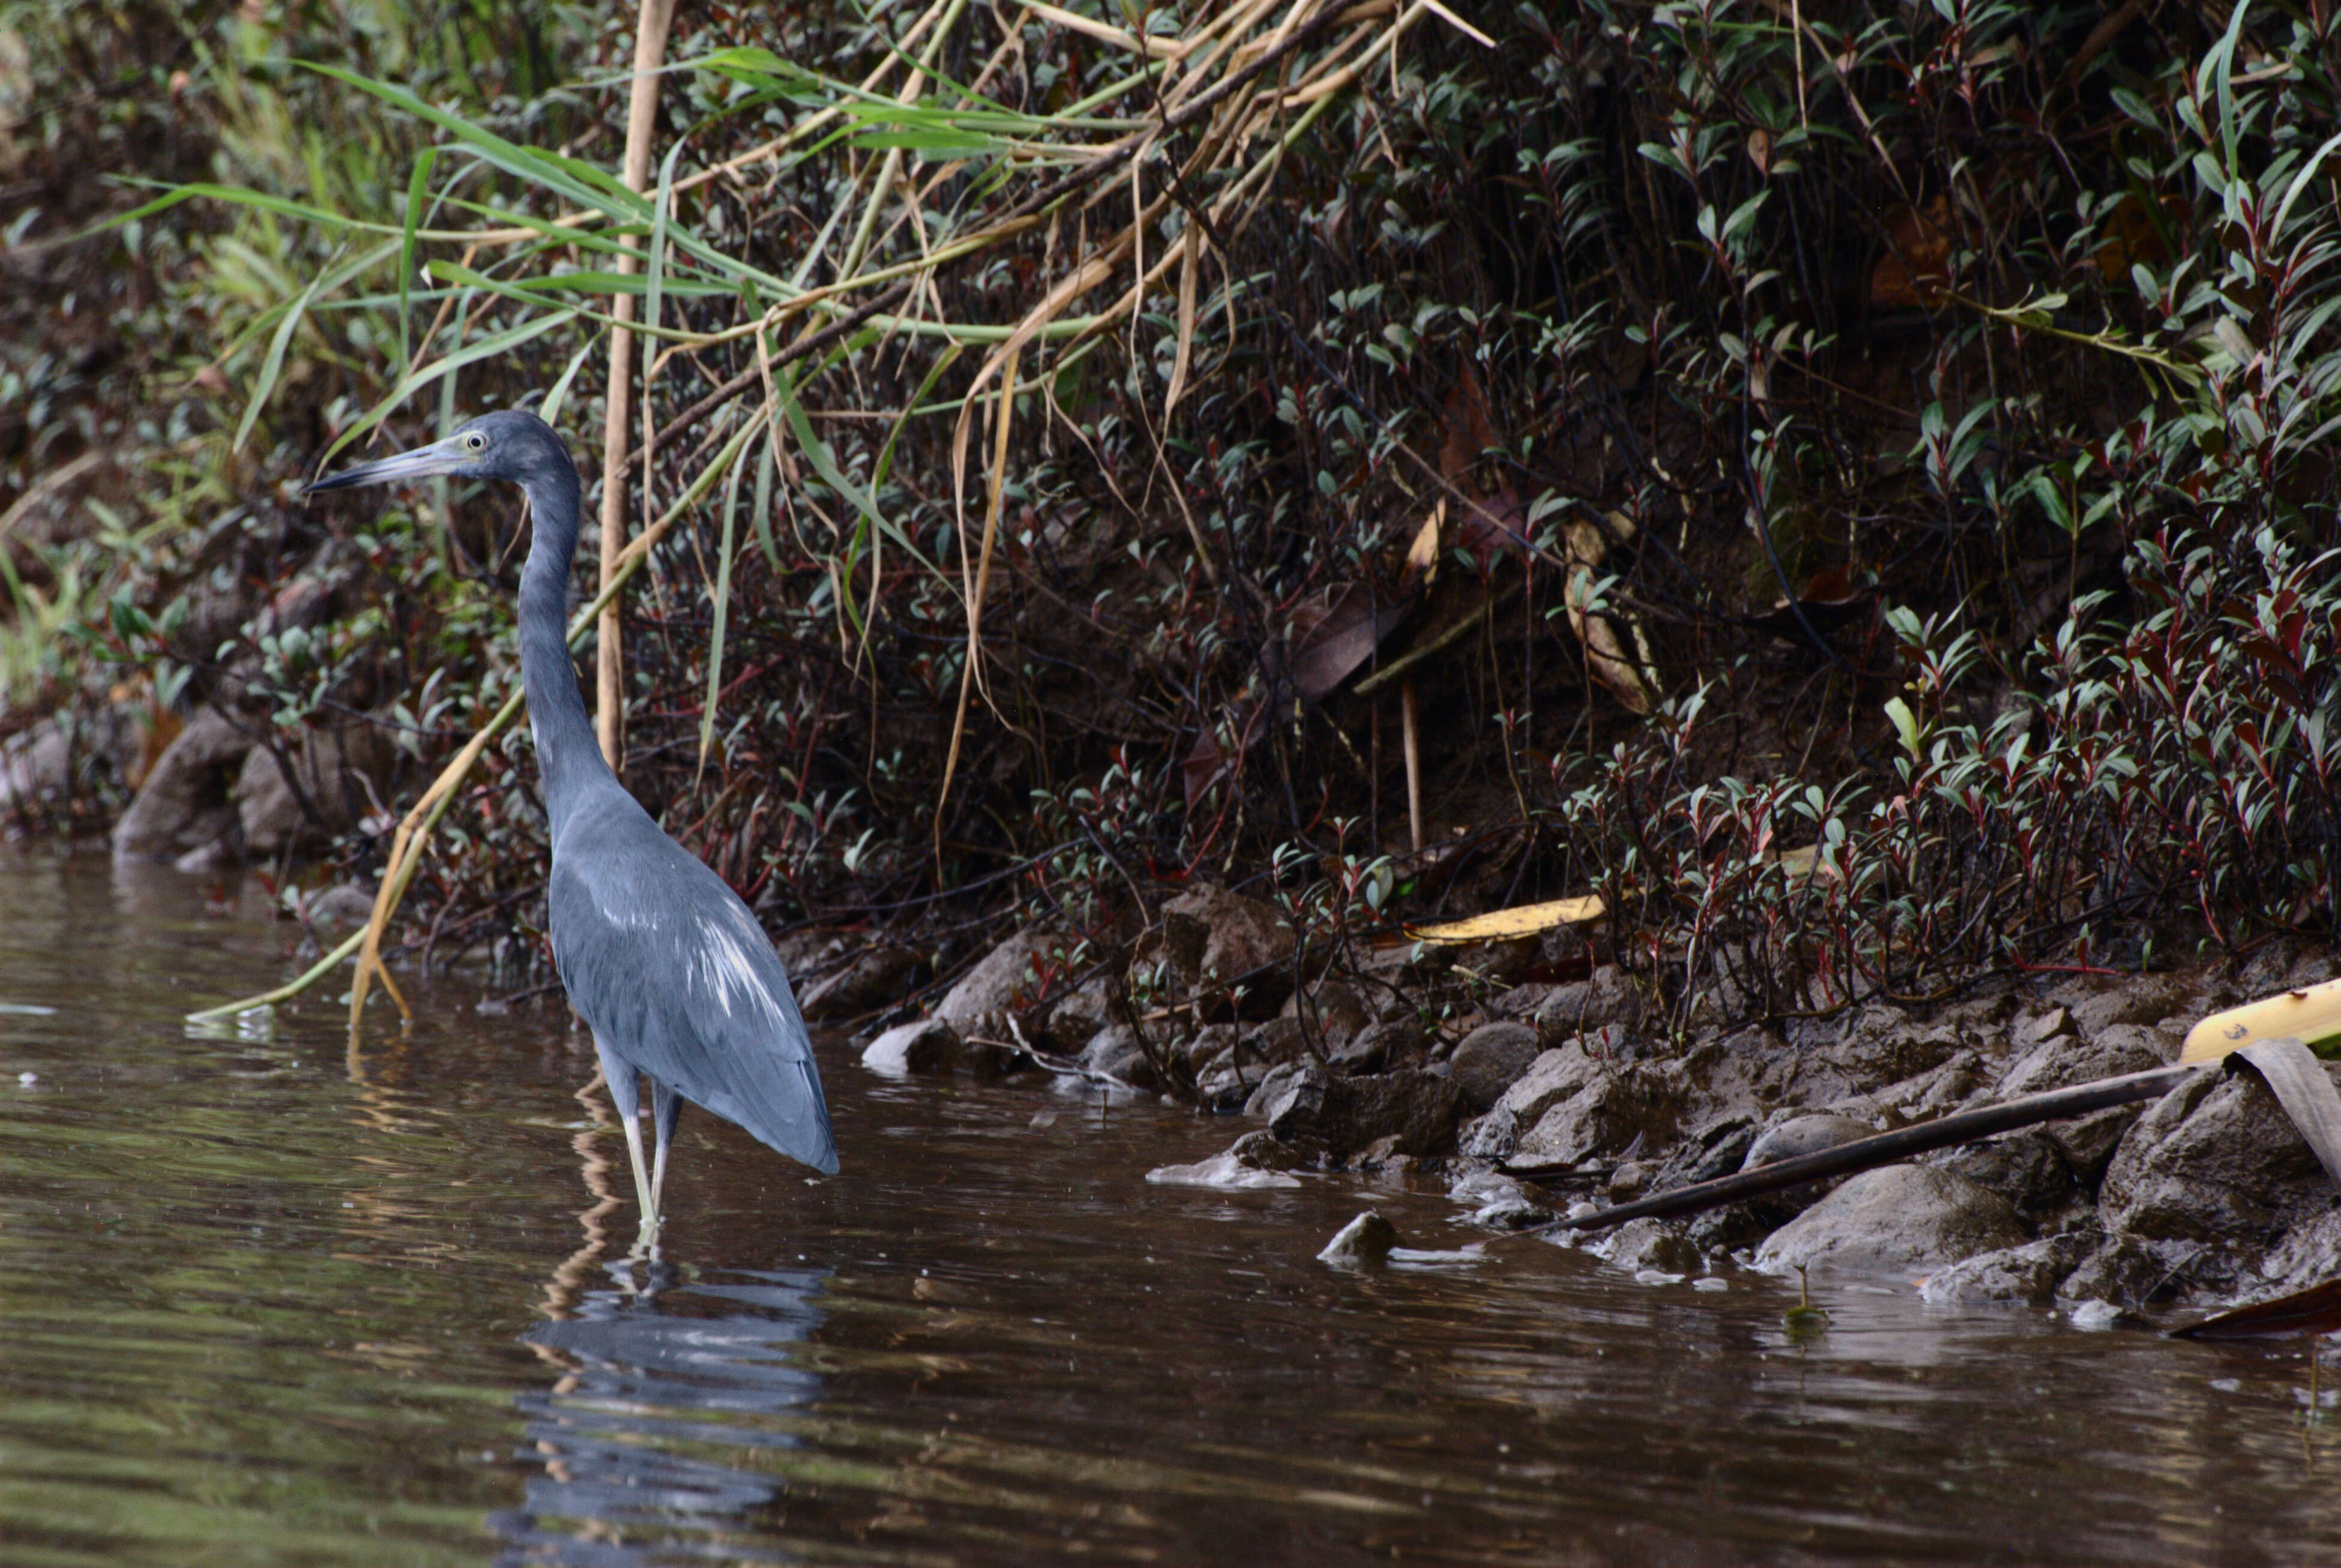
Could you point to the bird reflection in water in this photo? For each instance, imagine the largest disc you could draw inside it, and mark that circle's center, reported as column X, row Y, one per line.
column 658, row 1371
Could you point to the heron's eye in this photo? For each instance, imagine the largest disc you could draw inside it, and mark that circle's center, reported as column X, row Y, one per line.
column 475, row 442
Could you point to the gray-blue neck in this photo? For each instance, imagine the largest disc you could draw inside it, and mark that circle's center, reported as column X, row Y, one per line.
column 567, row 752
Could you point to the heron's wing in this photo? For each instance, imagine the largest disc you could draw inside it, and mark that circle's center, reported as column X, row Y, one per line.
column 673, row 972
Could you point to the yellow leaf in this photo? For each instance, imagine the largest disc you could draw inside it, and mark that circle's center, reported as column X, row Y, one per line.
column 1422, row 555
column 1526, row 920
column 2312, row 1016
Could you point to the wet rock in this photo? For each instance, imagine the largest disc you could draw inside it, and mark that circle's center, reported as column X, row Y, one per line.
column 1490, row 1060
column 1212, row 936
column 1223, row 1087
column 2214, row 1161
column 342, row 772
column 1654, row 1244
column 1554, row 1077
column 2140, row 1000
column 2038, row 1028
column 2064, row 1060
column 2135, row 1271
column 38, row 765
column 1604, row 1117
column 877, row 976
column 1511, row 1213
column 1806, row 1134
column 1873, row 1046
column 1335, row 1013
column 1719, row 1081
column 1116, row 1052
column 1263, row 1151
column 1416, row 1111
column 1519, row 1004
column 337, row 909
column 1378, row 1045
column 1367, row 1239
column 1073, row 1018
column 1276, row 1041
column 999, row 984
column 925, row 1045
column 1894, row 1217
column 1225, row 1171
column 2087, row 1142
column 2029, row 1168
column 1207, row 1046
column 1276, row 1088
column 1607, row 996
column 1630, row 1181
column 1513, row 1210
column 2309, row 1254
column 188, row 801
column 2092, row 1316
column 2028, row 1274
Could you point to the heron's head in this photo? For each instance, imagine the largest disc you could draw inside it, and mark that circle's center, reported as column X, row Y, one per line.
column 509, row 444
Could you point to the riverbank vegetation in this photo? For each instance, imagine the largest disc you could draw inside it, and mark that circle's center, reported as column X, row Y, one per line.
column 1848, row 485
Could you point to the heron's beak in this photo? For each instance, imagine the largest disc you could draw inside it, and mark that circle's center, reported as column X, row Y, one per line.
column 424, row 462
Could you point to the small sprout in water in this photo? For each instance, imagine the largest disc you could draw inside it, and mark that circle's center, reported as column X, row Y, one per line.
column 1804, row 1319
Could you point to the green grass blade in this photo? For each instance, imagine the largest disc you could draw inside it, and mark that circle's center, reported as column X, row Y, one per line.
column 265, row 382
column 418, row 186
column 722, row 612
column 549, row 410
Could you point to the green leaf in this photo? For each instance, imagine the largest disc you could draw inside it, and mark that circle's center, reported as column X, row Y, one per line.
column 1905, row 723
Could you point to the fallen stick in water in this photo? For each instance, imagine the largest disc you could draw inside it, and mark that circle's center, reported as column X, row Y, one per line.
column 1965, row 1127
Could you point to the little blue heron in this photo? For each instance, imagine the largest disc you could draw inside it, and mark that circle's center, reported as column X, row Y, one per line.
column 660, row 957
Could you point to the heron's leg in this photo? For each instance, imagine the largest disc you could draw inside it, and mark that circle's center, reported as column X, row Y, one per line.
column 625, row 1095
column 666, row 1105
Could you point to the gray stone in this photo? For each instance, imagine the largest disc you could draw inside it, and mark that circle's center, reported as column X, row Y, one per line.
column 999, row 985
column 1116, row 1052
column 2028, row 1274
column 2309, row 1254
column 1607, row 998
column 38, row 765
column 1276, row 1041
column 1276, row 1088
column 1805, row 1135
column 336, row 910
column 1604, row 1117
column 1334, row 1012
column 1554, row 1077
column 876, row 977
column 2215, row 1161
column 1074, row 1018
column 1894, row 1217
column 2027, row 1168
column 2064, row 1060
column 342, row 772
column 1651, row 1243
column 2037, row 1029
column 1207, row 1046
column 2140, row 1000
column 1367, row 1239
column 1213, row 936
column 1491, row 1060
column 1513, row 1212
column 925, row 1045
column 188, row 801
column 1378, row 1045
column 1417, row 1111
column 1854, row 1054
column 1225, row 1170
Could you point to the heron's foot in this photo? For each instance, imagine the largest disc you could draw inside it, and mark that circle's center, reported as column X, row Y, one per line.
column 646, row 1241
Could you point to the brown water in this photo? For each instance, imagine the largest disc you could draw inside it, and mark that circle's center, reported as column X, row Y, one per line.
column 268, row 1303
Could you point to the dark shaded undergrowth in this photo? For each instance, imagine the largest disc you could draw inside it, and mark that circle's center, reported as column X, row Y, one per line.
column 1896, row 434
